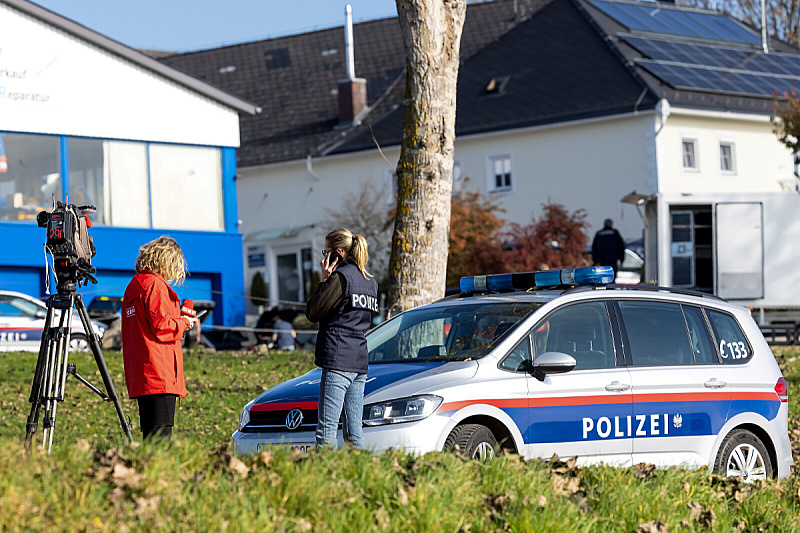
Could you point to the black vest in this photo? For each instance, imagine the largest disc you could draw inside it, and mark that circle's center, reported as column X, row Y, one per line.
column 341, row 344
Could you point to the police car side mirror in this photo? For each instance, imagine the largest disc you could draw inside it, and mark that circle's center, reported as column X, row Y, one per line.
column 41, row 313
column 552, row 363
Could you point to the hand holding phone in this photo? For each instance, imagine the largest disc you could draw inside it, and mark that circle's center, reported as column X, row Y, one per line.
column 333, row 258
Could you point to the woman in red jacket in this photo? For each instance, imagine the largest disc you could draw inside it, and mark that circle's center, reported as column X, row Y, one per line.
column 152, row 329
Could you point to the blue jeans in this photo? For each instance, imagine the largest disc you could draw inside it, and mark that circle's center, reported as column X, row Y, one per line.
column 337, row 390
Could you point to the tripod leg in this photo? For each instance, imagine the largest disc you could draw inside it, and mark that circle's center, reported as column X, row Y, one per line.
column 50, row 377
column 60, row 374
column 101, row 365
column 36, row 386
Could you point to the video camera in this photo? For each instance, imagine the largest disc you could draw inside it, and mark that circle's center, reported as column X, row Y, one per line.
column 69, row 242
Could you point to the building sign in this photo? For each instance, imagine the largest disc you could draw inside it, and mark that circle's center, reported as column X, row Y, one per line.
column 256, row 256
column 53, row 82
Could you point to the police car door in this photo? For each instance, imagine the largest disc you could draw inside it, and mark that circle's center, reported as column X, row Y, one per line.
column 681, row 392
column 583, row 412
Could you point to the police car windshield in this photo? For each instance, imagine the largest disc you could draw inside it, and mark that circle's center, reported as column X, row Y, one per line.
column 446, row 333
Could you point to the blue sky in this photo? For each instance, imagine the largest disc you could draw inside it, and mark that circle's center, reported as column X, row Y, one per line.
column 183, row 25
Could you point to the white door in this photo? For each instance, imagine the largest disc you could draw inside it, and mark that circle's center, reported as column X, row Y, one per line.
column 740, row 250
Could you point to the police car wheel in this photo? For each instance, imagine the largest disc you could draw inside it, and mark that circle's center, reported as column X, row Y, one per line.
column 78, row 343
column 473, row 440
column 743, row 455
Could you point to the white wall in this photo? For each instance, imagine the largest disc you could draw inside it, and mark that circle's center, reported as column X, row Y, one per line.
column 761, row 162
column 587, row 166
column 52, row 82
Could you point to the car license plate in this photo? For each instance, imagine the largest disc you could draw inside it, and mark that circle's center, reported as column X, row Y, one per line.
column 303, row 447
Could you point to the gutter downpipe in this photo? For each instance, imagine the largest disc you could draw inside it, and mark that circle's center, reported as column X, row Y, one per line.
column 310, row 169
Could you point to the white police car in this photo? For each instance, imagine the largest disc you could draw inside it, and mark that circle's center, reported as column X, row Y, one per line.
column 22, row 320
column 607, row 373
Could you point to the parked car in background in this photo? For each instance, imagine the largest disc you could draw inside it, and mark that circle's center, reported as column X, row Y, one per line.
column 105, row 309
column 630, row 271
column 22, row 321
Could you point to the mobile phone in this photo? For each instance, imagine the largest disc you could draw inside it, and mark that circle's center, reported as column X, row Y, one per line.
column 201, row 313
column 335, row 257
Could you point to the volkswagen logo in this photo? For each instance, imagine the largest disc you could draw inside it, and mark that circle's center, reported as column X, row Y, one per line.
column 294, row 419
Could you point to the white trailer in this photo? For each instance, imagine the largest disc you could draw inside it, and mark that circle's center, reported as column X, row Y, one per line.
column 743, row 247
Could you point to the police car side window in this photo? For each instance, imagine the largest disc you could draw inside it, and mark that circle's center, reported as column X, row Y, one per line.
column 515, row 361
column 657, row 334
column 731, row 342
column 582, row 331
column 699, row 336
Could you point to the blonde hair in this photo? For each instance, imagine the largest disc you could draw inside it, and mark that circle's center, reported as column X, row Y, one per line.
column 164, row 257
column 354, row 246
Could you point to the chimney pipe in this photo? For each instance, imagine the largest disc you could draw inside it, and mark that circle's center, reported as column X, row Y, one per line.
column 352, row 91
column 348, row 42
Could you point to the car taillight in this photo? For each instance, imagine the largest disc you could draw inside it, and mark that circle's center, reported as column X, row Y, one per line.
column 782, row 390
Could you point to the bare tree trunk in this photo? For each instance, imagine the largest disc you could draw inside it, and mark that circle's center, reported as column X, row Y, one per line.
column 432, row 38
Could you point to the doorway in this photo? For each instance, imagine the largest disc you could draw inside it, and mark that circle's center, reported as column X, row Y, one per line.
column 692, row 248
column 294, row 269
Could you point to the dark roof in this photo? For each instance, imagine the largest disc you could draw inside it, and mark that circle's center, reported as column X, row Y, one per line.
column 554, row 61
column 137, row 57
column 551, row 68
column 293, row 79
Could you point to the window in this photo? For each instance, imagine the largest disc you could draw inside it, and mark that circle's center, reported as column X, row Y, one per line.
column 499, row 173
column 197, row 173
column 112, row 176
column 582, row 331
column 519, row 357
column 699, row 336
column 727, row 162
column 446, row 333
column 657, row 333
column 732, row 344
column 391, row 187
column 690, row 154
column 29, row 176
column 11, row 306
column 458, row 180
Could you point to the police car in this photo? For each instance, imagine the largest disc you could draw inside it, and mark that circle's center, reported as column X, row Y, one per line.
column 22, row 320
column 561, row 362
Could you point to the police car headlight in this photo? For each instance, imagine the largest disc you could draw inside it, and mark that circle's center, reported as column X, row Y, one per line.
column 402, row 410
column 244, row 418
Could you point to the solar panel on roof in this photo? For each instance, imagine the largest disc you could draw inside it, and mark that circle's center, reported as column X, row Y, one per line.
column 655, row 18
column 717, row 79
column 717, row 56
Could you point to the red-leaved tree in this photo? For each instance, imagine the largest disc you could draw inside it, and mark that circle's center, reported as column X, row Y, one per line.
column 557, row 239
column 476, row 243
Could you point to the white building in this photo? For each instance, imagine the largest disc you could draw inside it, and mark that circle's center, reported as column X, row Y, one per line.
column 577, row 102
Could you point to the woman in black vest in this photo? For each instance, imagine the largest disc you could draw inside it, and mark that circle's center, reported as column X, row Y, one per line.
column 343, row 305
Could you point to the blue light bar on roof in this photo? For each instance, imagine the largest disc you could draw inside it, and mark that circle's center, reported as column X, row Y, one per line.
column 540, row 279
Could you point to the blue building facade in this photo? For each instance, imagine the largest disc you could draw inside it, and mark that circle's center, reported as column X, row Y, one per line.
column 87, row 120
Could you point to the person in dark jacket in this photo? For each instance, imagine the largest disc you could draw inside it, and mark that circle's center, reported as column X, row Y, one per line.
column 608, row 247
column 152, row 328
column 343, row 304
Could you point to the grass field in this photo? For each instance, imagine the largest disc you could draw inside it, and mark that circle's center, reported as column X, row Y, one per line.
column 93, row 481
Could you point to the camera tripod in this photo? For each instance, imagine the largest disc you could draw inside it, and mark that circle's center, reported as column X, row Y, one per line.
column 52, row 366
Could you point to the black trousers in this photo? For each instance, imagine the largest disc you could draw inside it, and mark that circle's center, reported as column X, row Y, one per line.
column 157, row 415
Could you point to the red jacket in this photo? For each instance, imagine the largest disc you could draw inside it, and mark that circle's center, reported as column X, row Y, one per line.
column 152, row 329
